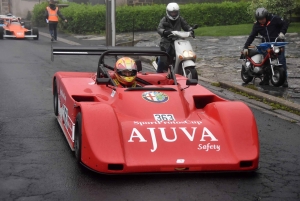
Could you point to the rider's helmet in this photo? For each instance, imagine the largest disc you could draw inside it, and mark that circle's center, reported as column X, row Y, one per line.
column 261, row 13
column 14, row 20
column 172, row 11
column 125, row 71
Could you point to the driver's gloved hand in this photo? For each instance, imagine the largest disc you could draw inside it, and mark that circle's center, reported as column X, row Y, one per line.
column 167, row 33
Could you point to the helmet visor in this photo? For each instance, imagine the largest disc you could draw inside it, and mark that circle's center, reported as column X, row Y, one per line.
column 173, row 13
column 127, row 72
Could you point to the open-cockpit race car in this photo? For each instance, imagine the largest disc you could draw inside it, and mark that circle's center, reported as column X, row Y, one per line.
column 169, row 124
column 13, row 27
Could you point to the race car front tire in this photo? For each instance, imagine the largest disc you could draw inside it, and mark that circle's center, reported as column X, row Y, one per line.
column 78, row 137
column 35, row 31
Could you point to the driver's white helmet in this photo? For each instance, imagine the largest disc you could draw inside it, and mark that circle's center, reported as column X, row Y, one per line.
column 172, row 11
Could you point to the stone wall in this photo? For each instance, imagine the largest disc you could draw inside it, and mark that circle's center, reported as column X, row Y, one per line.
column 20, row 8
column 4, row 7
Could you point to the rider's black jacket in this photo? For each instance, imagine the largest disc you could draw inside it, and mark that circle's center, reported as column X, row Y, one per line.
column 269, row 31
column 175, row 25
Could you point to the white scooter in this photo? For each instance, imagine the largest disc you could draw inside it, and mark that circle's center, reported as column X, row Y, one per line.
column 185, row 57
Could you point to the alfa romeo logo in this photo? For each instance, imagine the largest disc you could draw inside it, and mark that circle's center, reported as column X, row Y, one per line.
column 155, row 96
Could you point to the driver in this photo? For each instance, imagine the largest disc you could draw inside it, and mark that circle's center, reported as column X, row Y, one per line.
column 176, row 23
column 125, row 72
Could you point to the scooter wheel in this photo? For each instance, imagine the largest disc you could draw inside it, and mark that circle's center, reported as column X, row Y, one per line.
column 245, row 76
column 191, row 73
column 279, row 77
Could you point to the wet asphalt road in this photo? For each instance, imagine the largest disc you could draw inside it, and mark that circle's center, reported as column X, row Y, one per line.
column 37, row 164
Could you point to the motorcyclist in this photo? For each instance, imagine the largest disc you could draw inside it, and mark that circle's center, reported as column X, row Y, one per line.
column 175, row 23
column 125, row 73
column 270, row 27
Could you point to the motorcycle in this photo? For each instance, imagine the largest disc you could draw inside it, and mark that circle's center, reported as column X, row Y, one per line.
column 184, row 58
column 261, row 59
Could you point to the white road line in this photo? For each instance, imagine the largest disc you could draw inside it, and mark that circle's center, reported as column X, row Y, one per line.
column 59, row 39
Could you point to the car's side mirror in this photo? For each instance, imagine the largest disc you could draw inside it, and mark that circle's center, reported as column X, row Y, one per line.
column 195, row 26
column 191, row 82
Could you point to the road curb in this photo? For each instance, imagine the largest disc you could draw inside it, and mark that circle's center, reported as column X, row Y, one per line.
column 258, row 94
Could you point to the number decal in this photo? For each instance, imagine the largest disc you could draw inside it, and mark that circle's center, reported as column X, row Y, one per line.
column 65, row 116
column 164, row 117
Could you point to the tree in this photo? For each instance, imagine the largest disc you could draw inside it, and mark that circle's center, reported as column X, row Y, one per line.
column 281, row 8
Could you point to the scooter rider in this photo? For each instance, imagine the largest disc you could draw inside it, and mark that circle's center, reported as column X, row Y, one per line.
column 175, row 23
column 270, row 27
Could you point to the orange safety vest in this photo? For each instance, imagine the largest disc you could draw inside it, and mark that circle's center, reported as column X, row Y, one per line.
column 52, row 14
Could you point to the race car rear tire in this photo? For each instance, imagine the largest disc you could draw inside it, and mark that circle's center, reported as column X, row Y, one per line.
column 27, row 26
column 55, row 98
column 1, row 32
column 35, row 31
column 78, row 137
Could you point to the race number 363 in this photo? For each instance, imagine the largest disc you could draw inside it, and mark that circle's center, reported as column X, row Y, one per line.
column 164, row 117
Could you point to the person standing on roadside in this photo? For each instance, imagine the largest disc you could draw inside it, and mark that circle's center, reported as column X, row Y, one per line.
column 270, row 27
column 51, row 15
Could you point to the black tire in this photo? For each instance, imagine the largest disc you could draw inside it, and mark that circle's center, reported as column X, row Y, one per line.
column 245, row 76
column 35, row 31
column 55, row 98
column 1, row 32
column 27, row 27
column 78, row 137
column 279, row 77
column 191, row 73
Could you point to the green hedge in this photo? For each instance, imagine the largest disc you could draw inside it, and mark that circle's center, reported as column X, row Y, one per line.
column 86, row 18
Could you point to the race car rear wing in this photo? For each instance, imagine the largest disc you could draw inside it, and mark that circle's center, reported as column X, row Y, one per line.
column 116, row 50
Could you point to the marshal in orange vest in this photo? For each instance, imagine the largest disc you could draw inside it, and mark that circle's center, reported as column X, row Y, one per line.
column 52, row 14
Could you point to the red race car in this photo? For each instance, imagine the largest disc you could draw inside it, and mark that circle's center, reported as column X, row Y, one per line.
column 168, row 124
column 15, row 28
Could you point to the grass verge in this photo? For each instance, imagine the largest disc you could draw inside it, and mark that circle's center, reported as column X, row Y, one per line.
column 237, row 30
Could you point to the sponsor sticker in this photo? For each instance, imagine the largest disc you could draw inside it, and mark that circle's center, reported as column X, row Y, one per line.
column 155, row 96
column 113, row 93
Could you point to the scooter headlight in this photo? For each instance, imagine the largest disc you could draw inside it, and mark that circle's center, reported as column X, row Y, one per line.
column 187, row 55
column 276, row 50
